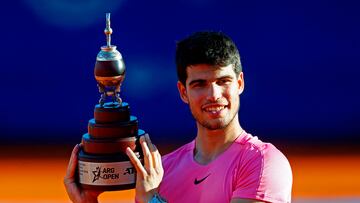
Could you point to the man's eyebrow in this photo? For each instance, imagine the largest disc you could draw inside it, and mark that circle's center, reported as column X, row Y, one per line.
column 197, row 81
column 226, row 77
column 203, row 81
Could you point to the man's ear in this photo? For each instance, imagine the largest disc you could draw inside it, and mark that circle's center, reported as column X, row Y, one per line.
column 182, row 92
column 241, row 83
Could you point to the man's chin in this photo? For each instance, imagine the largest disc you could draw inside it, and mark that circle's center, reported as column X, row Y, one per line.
column 218, row 125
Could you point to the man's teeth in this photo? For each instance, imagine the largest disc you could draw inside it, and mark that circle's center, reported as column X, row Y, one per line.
column 212, row 109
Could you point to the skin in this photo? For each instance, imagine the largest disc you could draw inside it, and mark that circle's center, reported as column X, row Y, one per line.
column 212, row 94
column 76, row 193
column 213, row 87
column 150, row 175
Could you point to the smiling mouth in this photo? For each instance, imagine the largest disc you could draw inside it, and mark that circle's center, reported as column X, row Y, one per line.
column 214, row 109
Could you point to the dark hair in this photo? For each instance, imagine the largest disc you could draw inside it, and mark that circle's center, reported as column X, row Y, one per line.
column 213, row 48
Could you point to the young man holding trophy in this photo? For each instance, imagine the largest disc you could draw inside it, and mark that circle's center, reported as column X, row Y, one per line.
column 223, row 163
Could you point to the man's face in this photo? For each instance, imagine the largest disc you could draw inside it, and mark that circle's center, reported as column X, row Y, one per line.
column 212, row 94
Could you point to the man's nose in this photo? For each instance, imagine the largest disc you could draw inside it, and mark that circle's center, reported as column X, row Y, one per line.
column 214, row 92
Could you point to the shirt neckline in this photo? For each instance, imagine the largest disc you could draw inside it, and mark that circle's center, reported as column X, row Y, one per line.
column 242, row 138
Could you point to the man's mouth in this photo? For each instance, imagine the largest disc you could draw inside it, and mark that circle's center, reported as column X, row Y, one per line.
column 214, row 109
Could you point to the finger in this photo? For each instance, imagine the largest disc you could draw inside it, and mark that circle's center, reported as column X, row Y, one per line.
column 151, row 146
column 136, row 162
column 157, row 156
column 70, row 172
column 152, row 149
column 154, row 152
column 69, row 180
column 147, row 155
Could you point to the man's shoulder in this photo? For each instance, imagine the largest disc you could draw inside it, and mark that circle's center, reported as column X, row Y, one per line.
column 264, row 166
column 263, row 154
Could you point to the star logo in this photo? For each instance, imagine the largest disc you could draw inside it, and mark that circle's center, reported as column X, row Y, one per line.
column 97, row 174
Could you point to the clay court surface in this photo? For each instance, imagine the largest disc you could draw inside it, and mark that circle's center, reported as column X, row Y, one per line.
column 37, row 176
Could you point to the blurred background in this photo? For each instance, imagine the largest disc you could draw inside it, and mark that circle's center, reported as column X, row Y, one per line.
column 300, row 61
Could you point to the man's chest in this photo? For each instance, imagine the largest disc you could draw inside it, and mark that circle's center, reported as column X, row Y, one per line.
column 189, row 183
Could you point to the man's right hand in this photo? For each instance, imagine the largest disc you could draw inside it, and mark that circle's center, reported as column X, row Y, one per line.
column 149, row 176
column 75, row 192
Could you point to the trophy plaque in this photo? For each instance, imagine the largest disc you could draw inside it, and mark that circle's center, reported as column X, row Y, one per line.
column 103, row 163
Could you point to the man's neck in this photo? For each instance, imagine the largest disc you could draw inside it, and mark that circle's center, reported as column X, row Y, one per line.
column 209, row 144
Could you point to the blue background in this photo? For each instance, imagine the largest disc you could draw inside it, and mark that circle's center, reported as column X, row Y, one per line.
column 300, row 58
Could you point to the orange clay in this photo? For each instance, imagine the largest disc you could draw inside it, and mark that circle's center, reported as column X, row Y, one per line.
column 40, row 179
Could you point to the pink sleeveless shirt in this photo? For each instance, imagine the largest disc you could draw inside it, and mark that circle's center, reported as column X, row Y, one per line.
column 248, row 169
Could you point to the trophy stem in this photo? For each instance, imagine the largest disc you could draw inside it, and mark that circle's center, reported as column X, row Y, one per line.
column 108, row 30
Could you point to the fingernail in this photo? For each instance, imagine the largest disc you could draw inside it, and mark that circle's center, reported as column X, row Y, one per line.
column 147, row 138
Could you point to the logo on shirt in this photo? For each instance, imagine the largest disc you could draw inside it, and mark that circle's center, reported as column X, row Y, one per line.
column 196, row 181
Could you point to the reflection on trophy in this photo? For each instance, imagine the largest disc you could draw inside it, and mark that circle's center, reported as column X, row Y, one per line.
column 103, row 163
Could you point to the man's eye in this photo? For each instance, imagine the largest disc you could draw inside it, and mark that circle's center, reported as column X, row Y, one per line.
column 199, row 84
column 224, row 81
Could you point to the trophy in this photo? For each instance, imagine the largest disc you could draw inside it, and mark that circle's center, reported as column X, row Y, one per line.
column 103, row 163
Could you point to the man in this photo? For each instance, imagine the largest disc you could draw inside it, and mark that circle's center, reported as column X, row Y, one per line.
column 223, row 163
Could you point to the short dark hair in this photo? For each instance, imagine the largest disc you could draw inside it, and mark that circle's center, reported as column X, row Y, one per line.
column 207, row 47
